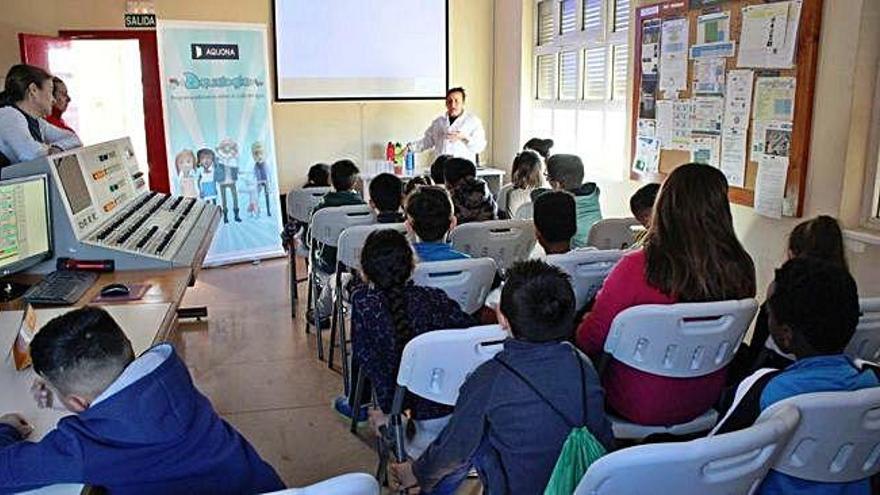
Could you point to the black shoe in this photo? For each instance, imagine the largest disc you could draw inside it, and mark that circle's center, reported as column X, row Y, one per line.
column 323, row 323
column 237, row 218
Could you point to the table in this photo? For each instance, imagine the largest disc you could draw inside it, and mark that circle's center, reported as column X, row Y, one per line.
column 494, row 177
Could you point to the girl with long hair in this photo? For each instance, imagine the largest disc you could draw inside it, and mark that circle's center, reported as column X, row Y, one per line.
column 527, row 175
column 691, row 254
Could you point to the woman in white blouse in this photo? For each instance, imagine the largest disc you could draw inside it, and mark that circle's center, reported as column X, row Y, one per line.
column 26, row 100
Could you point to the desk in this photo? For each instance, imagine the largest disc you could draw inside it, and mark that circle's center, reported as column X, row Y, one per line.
column 494, row 177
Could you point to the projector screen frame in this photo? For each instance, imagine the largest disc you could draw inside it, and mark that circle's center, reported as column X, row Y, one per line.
column 279, row 99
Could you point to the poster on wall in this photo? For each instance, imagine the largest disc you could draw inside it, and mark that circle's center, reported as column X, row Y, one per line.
column 218, row 131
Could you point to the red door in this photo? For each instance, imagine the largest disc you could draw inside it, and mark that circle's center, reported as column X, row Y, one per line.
column 35, row 50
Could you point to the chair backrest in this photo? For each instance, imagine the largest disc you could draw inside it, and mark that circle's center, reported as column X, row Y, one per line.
column 329, row 223
column 301, row 202
column 502, row 196
column 865, row 343
column 526, row 211
column 435, row 365
column 465, row 281
column 346, row 484
column 352, row 239
column 838, row 438
column 505, row 241
column 612, row 233
column 681, row 340
column 587, row 268
column 718, row 465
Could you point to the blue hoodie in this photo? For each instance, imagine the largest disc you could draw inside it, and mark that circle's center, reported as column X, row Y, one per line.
column 151, row 431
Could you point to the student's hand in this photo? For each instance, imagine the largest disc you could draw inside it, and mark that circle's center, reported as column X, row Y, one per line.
column 18, row 422
column 42, row 394
column 377, row 420
column 401, row 477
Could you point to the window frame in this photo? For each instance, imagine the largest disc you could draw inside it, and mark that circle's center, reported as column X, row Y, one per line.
column 871, row 195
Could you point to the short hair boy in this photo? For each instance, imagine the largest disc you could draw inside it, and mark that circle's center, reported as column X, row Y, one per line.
column 429, row 215
column 386, row 194
column 555, row 221
column 566, row 172
column 471, row 197
column 537, row 379
column 641, row 204
column 140, row 425
column 813, row 312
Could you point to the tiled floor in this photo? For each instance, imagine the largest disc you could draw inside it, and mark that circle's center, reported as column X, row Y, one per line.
column 260, row 370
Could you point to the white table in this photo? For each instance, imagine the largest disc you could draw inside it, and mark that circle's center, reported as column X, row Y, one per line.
column 494, row 177
column 142, row 323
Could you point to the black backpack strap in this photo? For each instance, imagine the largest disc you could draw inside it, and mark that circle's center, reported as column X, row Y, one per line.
column 744, row 412
column 33, row 125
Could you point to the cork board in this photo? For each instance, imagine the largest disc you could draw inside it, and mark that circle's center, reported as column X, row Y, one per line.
column 804, row 71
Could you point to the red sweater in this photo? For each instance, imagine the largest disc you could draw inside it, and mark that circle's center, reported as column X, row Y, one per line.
column 637, row 396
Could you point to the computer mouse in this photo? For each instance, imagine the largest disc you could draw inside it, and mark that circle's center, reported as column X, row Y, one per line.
column 115, row 290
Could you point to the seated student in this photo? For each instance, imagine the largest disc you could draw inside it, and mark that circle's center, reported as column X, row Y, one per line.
column 415, row 183
column 471, row 196
column 819, row 237
column 527, row 174
column 542, row 146
column 555, row 220
column 344, row 175
column 386, row 194
column 515, row 411
column 438, row 169
column 566, row 172
column 691, row 254
column 25, row 103
column 139, row 424
column 429, row 217
column 318, row 176
column 386, row 313
column 813, row 313
column 641, row 204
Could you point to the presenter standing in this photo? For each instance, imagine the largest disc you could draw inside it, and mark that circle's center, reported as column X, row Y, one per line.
column 457, row 133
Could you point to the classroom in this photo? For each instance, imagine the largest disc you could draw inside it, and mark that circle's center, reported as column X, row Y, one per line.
column 358, row 247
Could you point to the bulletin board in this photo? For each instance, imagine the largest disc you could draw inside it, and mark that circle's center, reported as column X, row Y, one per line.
column 794, row 148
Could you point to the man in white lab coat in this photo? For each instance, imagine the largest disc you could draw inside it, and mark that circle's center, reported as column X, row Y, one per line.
column 456, row 132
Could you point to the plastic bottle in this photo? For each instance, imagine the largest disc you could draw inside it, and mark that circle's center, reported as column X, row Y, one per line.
column 398, row 159
column 410, row 163
column 389, row 152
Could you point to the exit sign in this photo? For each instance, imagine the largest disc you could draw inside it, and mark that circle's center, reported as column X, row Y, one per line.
column 140, row 20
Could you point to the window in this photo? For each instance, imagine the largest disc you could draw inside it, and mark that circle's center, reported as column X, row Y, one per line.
column 580, row 74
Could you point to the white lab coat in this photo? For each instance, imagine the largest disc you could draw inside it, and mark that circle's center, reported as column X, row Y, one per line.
column 468, row 124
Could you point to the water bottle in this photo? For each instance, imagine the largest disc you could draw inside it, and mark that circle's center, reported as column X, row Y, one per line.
column 398, row 159
column 410, row 163
column 389, row 152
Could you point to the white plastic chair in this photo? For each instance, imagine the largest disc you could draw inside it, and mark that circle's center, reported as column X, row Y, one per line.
column 346, row 484
column 865, row 343
column 588, row 269
column 612, row 233
column 503, row 195
column 684, row 340
column 505, row 241
column 327, row 225
column 838, row 438
column 466, row 281
column 732, row 463
column 300, row 202
column 526, row 211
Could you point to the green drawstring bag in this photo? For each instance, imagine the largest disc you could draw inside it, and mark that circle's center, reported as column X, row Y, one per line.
column 580, row 449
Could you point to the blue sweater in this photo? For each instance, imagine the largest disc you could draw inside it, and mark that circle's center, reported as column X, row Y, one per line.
column 154, row 434
column 437, row 251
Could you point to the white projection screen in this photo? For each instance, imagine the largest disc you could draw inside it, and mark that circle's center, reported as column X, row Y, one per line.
column 360, row 49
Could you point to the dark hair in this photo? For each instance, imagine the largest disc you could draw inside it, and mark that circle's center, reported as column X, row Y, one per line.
column 568, row 170
column 817, row 299
column 538, row 302
column 82, row 351
column 457, row 89
column 206, row 152
column 415, row 182
column 19, row 79
column 555, row 215
column 387, row 261
column 429, row 210
column 438, row 169
column 457, row 169
column 542, row 146
column 56, row 81
column 526, row 170
column 644, row 198
column 319, row 175
column 343, row 175
column 691, row 250
column 820, row 237
column 386, row 192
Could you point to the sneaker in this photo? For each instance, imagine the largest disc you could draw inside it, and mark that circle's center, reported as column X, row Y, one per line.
column 323, row 323
column 342, row 408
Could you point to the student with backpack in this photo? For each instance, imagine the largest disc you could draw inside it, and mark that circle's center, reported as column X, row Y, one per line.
column 515, row 411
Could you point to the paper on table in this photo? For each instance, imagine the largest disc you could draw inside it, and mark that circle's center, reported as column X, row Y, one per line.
column 706, row 149
column 709, row 76
column 769, row 35
column 712, row 28
column 647, row 159
column 707, row 115
column 682, row 113
column 664, row 124
column 673, row 56
column 770, row 187
column 774, row 98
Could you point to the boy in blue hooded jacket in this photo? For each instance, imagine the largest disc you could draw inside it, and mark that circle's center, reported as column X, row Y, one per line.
column 140, row 425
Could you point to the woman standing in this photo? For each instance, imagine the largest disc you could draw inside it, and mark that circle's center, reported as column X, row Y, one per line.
column 26, row 101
